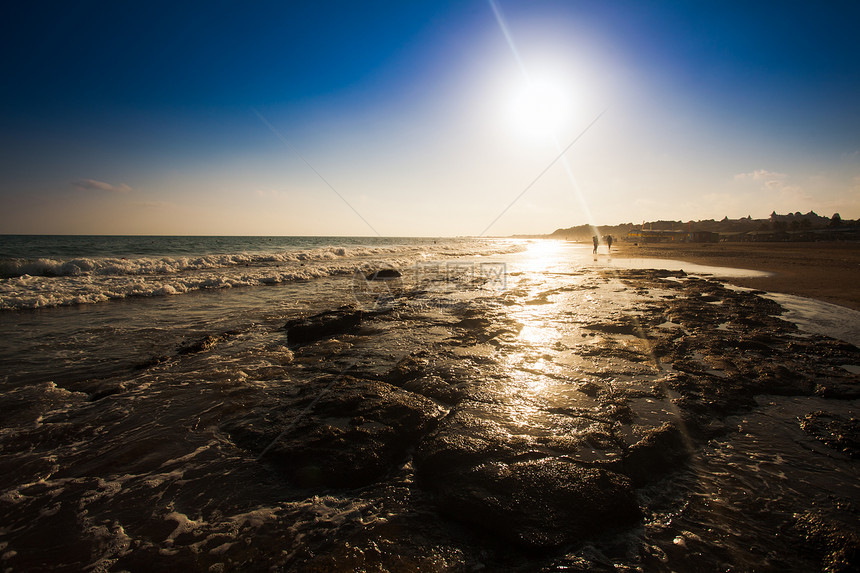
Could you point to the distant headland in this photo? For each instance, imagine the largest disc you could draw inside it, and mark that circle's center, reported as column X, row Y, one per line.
column 789, row 227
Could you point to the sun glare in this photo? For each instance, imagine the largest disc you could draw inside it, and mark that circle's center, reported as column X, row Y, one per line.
column 543, row 254
column 539, row 107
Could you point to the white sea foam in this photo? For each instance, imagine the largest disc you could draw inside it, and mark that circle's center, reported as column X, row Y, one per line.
column 113, row 266
column 40, row 283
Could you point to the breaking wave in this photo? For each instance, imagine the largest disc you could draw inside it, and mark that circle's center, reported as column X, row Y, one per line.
column 45, row 282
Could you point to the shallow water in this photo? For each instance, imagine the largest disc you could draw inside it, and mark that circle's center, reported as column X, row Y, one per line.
column 117, row 453
column 821, row 317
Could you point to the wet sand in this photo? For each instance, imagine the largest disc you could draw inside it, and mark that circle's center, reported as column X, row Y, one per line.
column 823, row 271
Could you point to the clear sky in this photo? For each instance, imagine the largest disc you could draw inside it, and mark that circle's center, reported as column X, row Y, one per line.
column 423, row 117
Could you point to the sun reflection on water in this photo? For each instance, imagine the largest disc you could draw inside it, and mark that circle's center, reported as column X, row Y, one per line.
column 542, row 254
column 538, row 335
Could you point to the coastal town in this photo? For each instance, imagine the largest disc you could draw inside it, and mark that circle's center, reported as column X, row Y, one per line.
column 793, row 227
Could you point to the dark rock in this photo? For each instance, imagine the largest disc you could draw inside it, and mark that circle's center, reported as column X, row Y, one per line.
column 150, row 362
column 838, row 432
column 750, row 322
column 688, row 366
column 201, row 345
column 105, row 391
column 539, row 503
column 621, row 412
column 484, row 475
column 477, row 323
column 465, row 438
column 408, row 368
column 589, row 388
column 836, row 389
column 651, row 273
column 754, row 345
column 383, row 274
column 435, row 388
column 346, row 435
column 703, row 427
column 838, row 546
column 615, row 328
column 661, row 451
column 781, row 380
column 323, row 325
column 716, row 398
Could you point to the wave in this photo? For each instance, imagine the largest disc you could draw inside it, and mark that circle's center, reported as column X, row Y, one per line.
column 107, row 266
column 28, row 292
column 40, row 283
column 11, row 268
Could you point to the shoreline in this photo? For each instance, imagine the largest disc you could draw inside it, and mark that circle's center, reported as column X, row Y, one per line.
column 829, row 272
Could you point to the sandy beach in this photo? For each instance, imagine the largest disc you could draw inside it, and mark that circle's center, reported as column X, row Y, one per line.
column 823, row 271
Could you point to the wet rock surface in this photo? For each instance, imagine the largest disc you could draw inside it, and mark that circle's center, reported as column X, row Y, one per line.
column 663, row 450
column 839, row 432
column 839, row 549
column 383, row 274
column 538, row 503
column 337, row 433
column 322, row 325
column 527, row 420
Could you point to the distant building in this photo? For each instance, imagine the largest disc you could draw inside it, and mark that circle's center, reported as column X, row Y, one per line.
column 656, row 236
column 672, row 236
column 770, row 236
column 704, row 237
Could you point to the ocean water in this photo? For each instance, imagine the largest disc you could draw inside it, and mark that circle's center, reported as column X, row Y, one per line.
column 45, row 271
column 166, row 290
column 125, row 360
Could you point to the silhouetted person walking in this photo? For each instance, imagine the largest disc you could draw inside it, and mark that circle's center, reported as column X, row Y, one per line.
column 608, row 243
column 596, row 242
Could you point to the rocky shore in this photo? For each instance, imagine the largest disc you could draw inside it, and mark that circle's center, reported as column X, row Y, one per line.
column 565, row 415
column 557, row 423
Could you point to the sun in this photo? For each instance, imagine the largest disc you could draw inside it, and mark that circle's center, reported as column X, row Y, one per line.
column 540, row 107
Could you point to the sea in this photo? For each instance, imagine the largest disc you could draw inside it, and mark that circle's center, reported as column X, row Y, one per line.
column 124, row 359
column 49, row 271
column 76, row 308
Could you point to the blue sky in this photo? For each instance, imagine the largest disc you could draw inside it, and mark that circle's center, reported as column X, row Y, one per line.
column 154, row 118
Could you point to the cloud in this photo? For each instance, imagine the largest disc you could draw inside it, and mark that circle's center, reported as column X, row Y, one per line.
column 93, row 185
column 770, row 180
column 760, row 175
column 777, row 188
column 773, row 184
